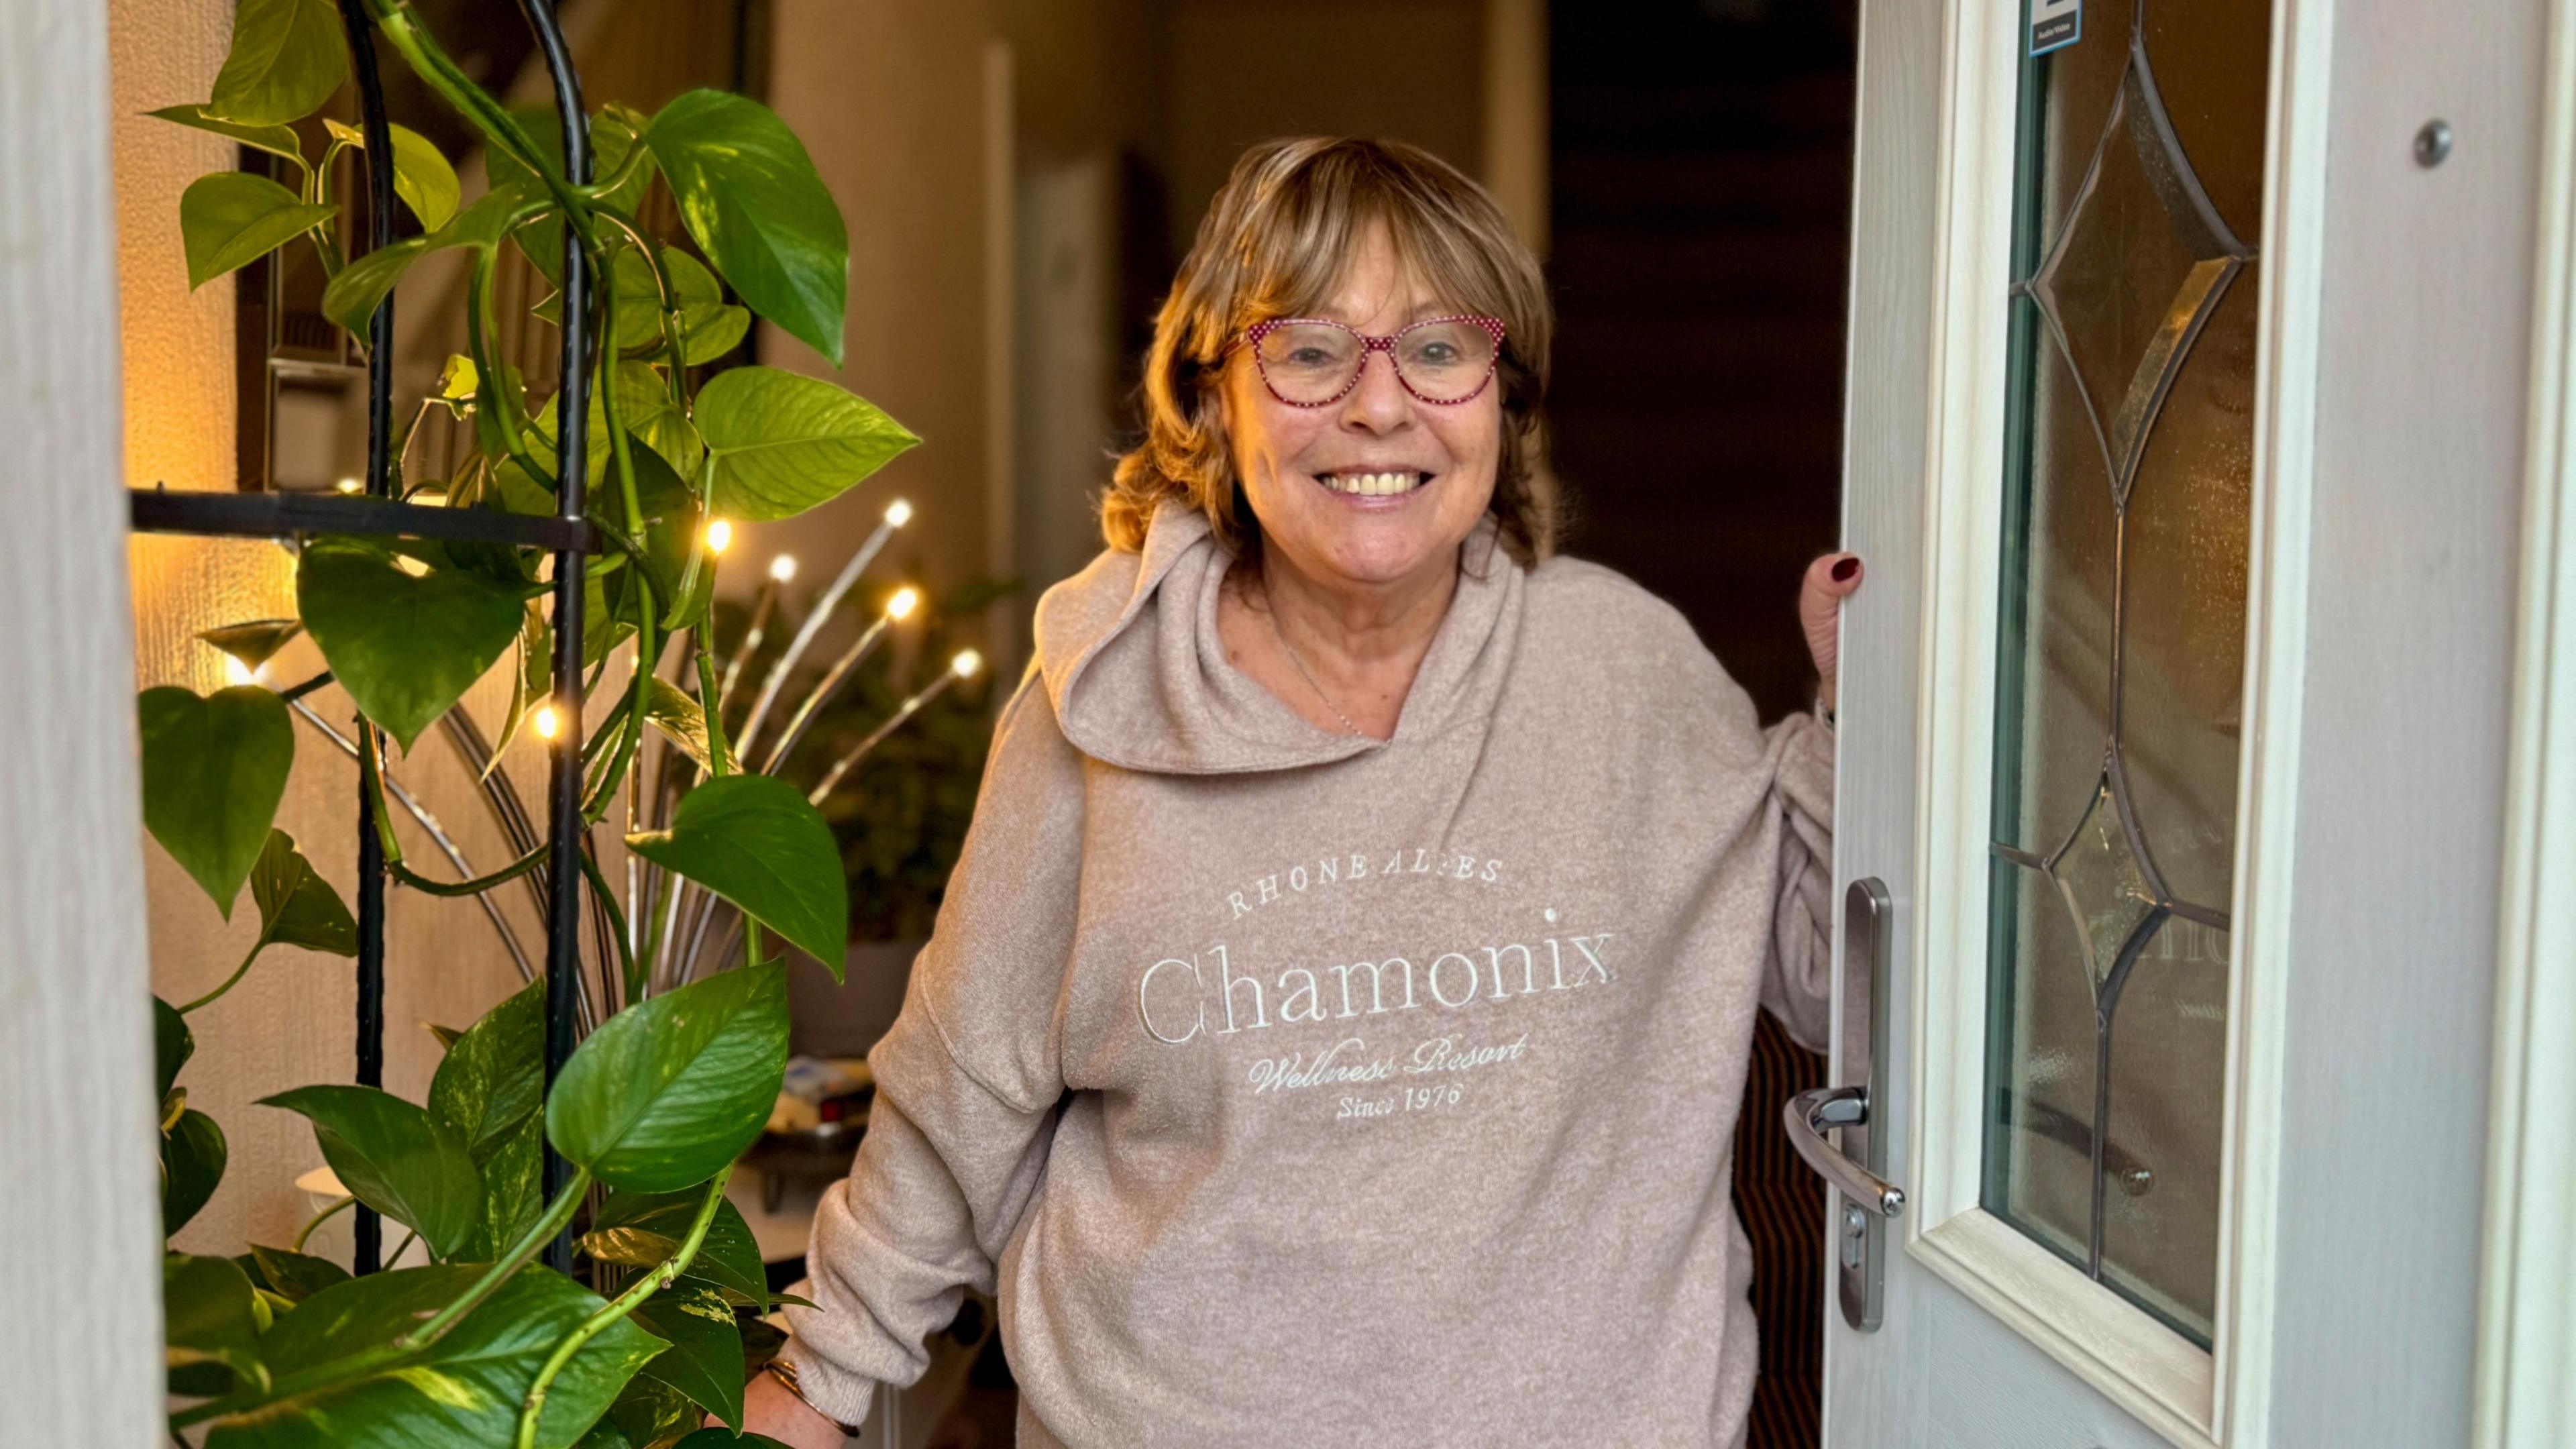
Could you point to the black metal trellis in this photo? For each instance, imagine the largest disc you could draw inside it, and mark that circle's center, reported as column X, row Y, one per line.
column 572, row 473
column 378, row 514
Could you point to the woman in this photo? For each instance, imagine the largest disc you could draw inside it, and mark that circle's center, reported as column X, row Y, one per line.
column 1337, row 1021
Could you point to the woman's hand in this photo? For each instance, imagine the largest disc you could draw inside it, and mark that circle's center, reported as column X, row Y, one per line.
column 1829, row 581
column 768, row 1408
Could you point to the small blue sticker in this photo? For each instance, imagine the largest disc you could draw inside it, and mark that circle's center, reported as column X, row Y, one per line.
column 2055, row 24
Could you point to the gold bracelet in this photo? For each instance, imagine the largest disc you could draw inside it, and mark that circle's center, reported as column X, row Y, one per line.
column 785, row 1372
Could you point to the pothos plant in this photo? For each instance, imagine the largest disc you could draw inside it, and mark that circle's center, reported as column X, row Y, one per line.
column 486, row 1345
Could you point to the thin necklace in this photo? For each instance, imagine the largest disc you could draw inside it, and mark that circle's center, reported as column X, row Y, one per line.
column 1270, row 607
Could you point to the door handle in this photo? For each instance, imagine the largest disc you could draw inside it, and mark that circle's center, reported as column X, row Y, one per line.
column 1809, row 1115
column 1869, row 1201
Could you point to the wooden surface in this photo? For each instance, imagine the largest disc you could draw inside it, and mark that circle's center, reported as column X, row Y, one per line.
column 80, row 1362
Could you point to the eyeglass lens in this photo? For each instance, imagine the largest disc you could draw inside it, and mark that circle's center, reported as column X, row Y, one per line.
column 1313, row 362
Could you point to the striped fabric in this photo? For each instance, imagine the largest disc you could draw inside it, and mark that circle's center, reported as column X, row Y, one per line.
column 1783, row 1204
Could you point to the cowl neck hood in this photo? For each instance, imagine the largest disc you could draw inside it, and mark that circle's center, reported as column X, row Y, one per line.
column 1130, row 656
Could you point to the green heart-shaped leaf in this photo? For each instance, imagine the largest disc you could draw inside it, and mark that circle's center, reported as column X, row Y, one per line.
column 644, row 1229
column 783, row 442
column 489, row 1090
column 422, row 177
column 676, row 714
column 651, row 1412
column 255, row 642
column 494, row 1077
column 296, row 1276
column 275, row 140
column 232, row 217
column 704, row 1360
column 352, row 296
column 207, row 1316
column 754, row 840
column 464, row 1390
column 644, row 405
column 673, row 1088
column 287, row 57
column 709, row 325
column 752, row 201
column 395, row 1158
column 296, row 906
column 193, row 1154
column 172, row 1045
column 404, row 648
column 513, row 1193
column 214, row 769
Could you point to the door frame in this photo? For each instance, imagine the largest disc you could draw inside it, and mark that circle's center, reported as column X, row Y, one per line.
column 76, row 1055
column 2191, row 1397
column 2527, row 1312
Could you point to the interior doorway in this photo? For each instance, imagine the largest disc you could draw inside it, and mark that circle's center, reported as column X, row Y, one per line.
column 1700, row 164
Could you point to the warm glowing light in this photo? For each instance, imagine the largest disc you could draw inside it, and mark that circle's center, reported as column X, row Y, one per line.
column 905, row 600
column 898, row 513
column 431, row 497
column 236, row 672
column 783, row 567
column 966, row 663
column 411, row 566
column 547, row 725
column 719, row 535
column 348, row 485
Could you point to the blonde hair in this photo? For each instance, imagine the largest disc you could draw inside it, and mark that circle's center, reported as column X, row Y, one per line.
column 1275, row 243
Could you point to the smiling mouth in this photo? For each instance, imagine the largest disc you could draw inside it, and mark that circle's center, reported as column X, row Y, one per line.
column 1373, row 484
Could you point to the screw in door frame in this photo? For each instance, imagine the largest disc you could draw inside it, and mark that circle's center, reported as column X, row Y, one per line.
column 2433, row 143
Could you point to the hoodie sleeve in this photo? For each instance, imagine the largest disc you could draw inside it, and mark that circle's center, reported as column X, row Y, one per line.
column 1797, row 980
column 968, row 1083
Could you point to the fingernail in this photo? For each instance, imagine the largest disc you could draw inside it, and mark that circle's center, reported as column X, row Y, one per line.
column 1843, row 571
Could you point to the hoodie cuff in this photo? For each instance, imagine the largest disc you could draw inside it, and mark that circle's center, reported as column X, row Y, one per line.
column 833, row 1391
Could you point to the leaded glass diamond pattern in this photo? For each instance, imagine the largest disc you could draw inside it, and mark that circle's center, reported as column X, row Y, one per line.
column 2097, row 876
column 2125, row 269
column 2135, row 271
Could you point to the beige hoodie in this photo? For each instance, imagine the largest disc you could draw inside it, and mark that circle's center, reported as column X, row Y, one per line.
column 1290, row 1087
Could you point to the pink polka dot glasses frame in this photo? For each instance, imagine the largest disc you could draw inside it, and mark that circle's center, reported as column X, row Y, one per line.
column 1441, row 384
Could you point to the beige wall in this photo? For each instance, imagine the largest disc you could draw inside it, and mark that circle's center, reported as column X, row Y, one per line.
column 888, row 97
column 289, row 1022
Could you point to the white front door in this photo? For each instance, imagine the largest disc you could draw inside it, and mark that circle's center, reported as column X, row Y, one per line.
column 2189, row 369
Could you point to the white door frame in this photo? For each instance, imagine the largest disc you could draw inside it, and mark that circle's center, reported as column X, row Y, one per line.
column 2394, row 301
column 2527, row 1327
column 82, row 1213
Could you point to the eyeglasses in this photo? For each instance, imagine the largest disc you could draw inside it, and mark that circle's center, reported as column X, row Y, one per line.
column 1308, row 362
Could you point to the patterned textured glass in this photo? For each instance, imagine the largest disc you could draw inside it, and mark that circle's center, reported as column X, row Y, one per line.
column 2121, row 650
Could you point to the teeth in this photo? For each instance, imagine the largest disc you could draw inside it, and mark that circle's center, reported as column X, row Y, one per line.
column 1372, row 484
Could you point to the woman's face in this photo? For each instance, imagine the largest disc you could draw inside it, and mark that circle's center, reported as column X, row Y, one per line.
column 1291, row 458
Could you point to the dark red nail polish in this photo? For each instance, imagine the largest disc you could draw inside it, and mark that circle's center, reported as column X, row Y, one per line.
column 1844, row 570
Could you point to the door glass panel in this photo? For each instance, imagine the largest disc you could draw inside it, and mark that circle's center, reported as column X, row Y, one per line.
column 2121, row 651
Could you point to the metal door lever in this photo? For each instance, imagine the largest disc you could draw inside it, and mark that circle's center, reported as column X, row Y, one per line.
column 1809, row 1115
